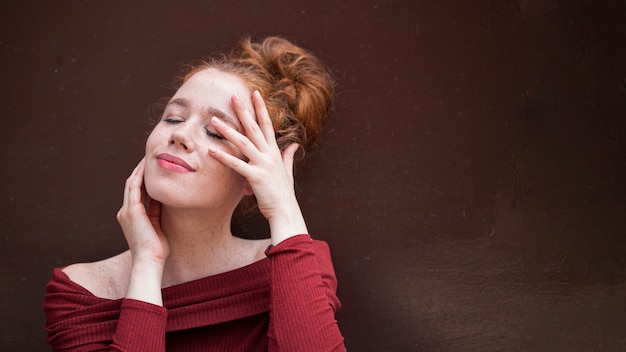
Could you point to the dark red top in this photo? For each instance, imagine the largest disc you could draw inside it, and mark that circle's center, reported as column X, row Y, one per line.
column 285, row 302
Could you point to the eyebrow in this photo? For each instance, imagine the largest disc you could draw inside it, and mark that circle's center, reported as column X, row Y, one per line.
column 208, row 113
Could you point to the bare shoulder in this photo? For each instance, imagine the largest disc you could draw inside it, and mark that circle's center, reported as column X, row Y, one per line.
column 106, row 278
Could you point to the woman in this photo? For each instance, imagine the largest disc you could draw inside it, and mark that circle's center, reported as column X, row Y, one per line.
column 230, row 132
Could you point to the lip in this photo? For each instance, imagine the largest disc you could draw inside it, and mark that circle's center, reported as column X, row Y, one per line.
column 173, row 163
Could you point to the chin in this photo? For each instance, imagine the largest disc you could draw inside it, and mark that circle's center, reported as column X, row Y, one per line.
column 159, row 195
column 163, row 192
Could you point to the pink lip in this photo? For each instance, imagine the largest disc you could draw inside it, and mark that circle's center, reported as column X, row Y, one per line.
column 173, row 163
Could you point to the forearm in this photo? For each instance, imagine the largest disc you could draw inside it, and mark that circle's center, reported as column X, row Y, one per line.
column 303, row 299
column 145, row 282
column 141, row 326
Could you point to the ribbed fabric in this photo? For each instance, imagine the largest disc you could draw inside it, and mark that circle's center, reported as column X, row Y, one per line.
column 299, row 312
column 285, row 302
column 147, row 322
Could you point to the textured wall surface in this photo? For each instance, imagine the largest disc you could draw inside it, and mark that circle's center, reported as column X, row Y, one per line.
column 471, row 183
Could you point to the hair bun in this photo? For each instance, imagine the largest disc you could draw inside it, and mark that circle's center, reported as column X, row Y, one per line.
column 298, row 90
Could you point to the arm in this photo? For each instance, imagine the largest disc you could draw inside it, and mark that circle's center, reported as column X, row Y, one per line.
column 147, row 243
column 149, row 250
column 302, row 314
column 141, row 327
column 303, row 297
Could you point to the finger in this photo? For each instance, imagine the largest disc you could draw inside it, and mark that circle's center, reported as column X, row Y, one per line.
column 154, row 213
column 238, row 165
column 264, row 120
column 131, row 180
column 249, row 124
column 245, row 146
column 288, row 155
column 135, row 194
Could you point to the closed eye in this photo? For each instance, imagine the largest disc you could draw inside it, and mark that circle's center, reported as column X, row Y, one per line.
column 214, row 135
column 171, row 120
column 208, row 132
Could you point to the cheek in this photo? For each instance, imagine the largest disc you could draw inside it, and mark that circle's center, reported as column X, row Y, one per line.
column 153, row 137
column 149, row 184
column 216, row 170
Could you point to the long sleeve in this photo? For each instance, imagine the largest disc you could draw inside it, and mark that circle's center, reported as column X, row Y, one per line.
column 78, row 321
column 303, row 297
column 141, row 327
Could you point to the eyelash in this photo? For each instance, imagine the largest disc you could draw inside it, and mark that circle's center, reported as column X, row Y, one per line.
column 214, row 135
column 168, row 120
column 209, row 133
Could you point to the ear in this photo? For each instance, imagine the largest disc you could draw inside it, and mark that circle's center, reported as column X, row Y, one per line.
column 247, row 190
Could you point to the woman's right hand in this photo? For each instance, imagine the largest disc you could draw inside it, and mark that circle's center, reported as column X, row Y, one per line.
column 142, row 228
column 148, row 245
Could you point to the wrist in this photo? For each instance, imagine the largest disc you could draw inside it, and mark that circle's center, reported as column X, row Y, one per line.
column 147, row 260
column 146, row 276
column 287, row 225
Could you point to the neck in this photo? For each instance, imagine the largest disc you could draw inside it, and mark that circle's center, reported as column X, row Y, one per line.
column 199, row 243
column 188, row 228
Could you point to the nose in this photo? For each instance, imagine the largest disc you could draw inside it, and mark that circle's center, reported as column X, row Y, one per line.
column 182, row 137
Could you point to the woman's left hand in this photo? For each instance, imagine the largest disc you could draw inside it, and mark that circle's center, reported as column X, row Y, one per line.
column 268, row 171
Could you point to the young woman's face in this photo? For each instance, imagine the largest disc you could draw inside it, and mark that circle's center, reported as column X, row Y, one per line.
column 179, row 170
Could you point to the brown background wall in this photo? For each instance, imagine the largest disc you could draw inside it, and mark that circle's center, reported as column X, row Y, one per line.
column 471, row 183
